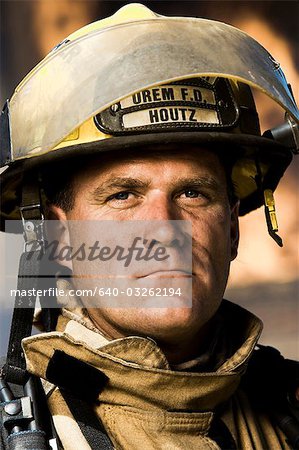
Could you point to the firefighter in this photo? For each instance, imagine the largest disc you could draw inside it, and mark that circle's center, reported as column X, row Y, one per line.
column 138, row 123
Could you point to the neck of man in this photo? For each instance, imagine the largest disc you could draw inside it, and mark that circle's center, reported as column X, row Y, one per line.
column 187, row 348
column 177, row 348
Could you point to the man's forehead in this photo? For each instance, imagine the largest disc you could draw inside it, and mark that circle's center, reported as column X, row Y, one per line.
column 167, row 166
column 166, row 155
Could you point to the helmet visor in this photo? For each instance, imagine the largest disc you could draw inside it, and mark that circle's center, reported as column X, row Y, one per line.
column 83, row 77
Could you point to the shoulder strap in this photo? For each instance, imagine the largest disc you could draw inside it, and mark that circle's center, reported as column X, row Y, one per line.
column 80, row 385
column 90, row 425
column 15, row 368
column 29, row 268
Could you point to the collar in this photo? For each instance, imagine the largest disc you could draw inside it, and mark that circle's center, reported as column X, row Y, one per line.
column 136, row 371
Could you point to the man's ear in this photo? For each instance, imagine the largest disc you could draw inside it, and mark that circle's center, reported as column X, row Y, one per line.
column 58, row 231
column 234, row 230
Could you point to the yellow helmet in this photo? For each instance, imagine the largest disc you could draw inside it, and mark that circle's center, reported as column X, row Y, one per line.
column 137, row 79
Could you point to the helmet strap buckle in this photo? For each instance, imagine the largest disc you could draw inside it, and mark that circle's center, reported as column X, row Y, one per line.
column 269, row 205
column 33, row 227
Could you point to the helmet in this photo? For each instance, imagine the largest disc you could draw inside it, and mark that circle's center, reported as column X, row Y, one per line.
column 137, row 79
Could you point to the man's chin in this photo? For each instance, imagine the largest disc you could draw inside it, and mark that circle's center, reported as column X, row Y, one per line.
column 157, row 323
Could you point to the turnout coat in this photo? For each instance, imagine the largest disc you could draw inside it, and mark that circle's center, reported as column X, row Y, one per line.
column 145, row 404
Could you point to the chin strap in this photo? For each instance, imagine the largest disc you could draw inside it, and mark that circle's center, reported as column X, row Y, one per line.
column 26, row 420
column 29, row 267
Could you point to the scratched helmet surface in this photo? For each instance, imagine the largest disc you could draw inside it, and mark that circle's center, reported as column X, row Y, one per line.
column 137, row 79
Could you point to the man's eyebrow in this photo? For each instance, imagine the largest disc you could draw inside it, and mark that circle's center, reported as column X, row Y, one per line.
column 101, row 192
column 201, row 181
column 119, row 183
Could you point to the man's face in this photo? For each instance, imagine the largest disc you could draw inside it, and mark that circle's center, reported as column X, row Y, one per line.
column 189, row 185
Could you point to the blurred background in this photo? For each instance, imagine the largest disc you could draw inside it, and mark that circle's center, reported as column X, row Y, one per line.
column 264, row 278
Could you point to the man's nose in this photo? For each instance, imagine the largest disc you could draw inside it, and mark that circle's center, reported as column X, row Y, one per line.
column 168, row 233
column 164, row 223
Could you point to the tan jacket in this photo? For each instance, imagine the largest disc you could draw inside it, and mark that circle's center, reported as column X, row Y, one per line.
column 147, row 406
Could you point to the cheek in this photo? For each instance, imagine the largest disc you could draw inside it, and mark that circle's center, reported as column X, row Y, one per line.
column 211, row 240
column 212, row 227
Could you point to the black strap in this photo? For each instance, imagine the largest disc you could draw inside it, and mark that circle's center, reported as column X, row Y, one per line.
column 90, row 425
column 15, row 368
column 80, row 385
column 219, row 433
column 32, row 218
column 28, row 440
column 270, row 382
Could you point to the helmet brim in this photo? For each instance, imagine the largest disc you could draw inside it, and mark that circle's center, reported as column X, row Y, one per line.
column 244, row 147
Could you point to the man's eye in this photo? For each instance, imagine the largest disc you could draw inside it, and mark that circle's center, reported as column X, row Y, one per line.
column 124, row 199
column 123, row 195
column 120, row 196
column 192, row 197
column 191, row 193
